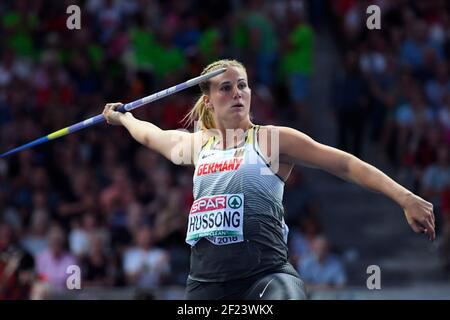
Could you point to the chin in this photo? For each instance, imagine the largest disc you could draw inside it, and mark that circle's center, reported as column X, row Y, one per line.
column 239, row 116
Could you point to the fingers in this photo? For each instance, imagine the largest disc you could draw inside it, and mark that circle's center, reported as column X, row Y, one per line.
column 429, row 230
column 420, row 217
column 109, row 108
column 427, row 222
column 429, row 209
column 430, row 220
column 426, row 226
column 112, row 106
column 417, row 228
column 115, row 106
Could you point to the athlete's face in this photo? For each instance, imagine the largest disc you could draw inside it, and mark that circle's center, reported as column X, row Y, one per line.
column 229, row 96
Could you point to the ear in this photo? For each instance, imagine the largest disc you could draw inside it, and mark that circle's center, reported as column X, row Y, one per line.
column 207, row 102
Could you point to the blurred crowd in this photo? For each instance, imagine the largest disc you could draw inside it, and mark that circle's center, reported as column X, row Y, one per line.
column 394, row 87
column 99, row 200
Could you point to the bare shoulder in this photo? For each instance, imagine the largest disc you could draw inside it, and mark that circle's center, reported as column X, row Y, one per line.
column 268, row 128
column 278, row 129
column 198, row 140
column 289, row 142
column 285, row 135
column 267, row 132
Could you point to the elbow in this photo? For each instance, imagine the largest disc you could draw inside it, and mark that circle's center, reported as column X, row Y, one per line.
column 147, row 140
column 346, row 166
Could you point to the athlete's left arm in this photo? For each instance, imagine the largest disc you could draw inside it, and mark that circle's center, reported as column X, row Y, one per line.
column 300, row 148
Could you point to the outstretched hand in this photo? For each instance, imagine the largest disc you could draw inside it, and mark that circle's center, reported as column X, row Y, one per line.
column 420, row 216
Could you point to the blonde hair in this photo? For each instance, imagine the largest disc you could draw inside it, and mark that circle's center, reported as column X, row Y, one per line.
column 199, row 111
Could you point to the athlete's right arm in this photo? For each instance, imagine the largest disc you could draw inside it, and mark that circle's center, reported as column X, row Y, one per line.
column 175, row 145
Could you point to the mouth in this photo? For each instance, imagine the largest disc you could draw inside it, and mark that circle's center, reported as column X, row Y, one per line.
column 238, row 105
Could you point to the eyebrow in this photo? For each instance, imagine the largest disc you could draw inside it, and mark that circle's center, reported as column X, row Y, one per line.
column 228, row 82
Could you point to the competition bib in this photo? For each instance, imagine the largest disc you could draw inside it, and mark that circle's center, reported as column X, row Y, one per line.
column 218, row 218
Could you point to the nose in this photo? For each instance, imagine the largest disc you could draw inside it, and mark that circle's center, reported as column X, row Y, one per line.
column 236, row 92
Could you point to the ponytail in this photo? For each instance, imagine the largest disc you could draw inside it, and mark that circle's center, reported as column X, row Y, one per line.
column 201, row 113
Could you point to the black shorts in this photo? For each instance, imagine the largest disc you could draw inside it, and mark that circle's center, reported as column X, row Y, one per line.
column 265, row 286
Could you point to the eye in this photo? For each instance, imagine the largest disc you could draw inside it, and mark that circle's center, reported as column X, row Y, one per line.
column 226, row 87
column 242, row 85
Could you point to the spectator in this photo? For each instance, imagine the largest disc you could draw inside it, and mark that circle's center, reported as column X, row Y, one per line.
column 297, row 68
column 146, row 266
column 263, row 42
column 53, row 262
column 16, row 267
column 435, row 179
column 80, row 235
column 321, row 269
column 96, row 269
column 35, row 240
column 437, row 87
column 351, row 106
column 302, row 237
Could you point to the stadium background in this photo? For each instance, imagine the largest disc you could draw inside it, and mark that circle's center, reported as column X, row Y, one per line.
column 106, row 202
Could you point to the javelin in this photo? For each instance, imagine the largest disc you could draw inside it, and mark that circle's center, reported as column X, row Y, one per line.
column 124, row 108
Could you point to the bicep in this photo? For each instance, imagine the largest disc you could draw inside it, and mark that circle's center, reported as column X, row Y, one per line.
column 175, row 145
column 299, row 148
